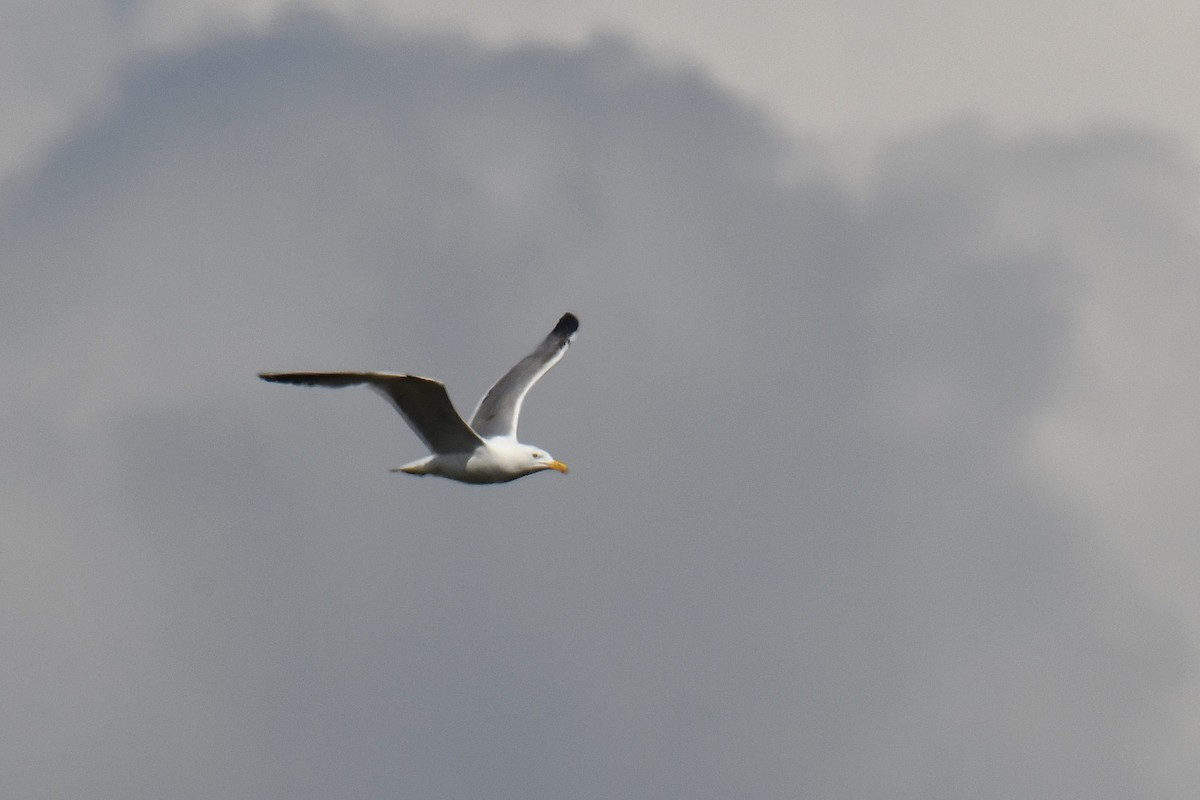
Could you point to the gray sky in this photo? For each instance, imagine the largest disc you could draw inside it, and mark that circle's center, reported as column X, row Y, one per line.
column 880, row 419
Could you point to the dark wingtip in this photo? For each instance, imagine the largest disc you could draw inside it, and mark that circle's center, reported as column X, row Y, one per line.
column 568, row 323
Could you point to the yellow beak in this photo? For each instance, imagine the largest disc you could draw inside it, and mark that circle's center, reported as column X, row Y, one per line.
column 558, row 465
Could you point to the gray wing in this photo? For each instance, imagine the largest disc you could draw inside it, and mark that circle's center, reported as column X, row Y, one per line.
column 498, row 410
column 423, row 403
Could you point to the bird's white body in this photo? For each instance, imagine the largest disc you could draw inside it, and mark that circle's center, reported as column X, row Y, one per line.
column 487, row 450
column 498, row 460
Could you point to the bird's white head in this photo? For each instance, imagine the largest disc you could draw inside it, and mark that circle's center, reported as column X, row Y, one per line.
column 504, row 459
column 539, row 460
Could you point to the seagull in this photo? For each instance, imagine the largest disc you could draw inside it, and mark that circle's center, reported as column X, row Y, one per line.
column 487, row 450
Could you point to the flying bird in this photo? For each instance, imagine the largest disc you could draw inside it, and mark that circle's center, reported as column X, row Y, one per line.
column 485, row 451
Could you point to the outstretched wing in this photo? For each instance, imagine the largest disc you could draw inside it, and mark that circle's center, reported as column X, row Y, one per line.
column 423, row 403
column 498, row 410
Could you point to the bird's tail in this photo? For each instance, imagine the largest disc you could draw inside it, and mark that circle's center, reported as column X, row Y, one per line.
column 414, row 468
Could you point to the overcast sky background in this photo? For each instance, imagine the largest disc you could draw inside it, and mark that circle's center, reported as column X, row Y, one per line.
column 881, row 415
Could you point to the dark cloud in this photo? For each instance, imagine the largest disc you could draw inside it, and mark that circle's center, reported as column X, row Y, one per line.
column 799, row 553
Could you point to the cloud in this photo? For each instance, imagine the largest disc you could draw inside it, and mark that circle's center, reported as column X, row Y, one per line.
column 802, row 551
column 56, row 59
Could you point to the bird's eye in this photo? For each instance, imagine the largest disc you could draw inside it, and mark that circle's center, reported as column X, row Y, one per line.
column 537, row 454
